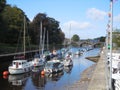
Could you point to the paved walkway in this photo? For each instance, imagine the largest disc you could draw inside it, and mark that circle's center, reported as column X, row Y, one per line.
column 98, row 80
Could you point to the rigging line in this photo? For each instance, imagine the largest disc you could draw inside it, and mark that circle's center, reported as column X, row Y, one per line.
column 24, row 34
column 28, row 37
column 43, row 40
column 10, row 54
column 18, row 41
column 47, row 41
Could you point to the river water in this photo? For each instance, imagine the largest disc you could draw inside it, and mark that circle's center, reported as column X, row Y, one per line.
column 58, row 81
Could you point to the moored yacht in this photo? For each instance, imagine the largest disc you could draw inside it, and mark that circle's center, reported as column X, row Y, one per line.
column 20, row 66
column 67, row 61
column 38, row 61
column 53, row 66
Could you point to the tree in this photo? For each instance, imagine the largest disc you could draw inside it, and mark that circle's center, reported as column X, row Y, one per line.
column 11, row 23
column 55, row 34
column 13, row 18
column 75, row 38
column 102, row 39
column 35, row 27
column 2, row 5
column 116, row 37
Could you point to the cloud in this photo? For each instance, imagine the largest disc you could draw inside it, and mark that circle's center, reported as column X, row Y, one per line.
column 96, row 14
column 77, row 25
column 117, row 18
column 74, row 27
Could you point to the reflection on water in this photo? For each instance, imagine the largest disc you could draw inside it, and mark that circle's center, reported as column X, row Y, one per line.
column 57, row 81
column 68, row 69
column 18, row 80
column 54, row 76
column 37, row 69
column 38, row 80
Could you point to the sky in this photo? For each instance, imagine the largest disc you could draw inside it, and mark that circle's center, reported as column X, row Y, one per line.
column 86, row 18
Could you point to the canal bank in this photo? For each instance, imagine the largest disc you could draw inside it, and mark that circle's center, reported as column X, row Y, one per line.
column 85, row 79
column 94, row 77
column 98, row 80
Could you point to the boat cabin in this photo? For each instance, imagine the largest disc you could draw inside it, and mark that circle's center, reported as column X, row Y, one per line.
column 19, row 63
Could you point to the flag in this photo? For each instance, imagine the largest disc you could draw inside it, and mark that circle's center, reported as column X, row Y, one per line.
column 108, row 26
column 109, row 14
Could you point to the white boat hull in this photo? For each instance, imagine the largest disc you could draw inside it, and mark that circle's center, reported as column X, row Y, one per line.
column 68, row 62
column 38, row 62
column 13, row 70
column 48, row 70
column 52, row 69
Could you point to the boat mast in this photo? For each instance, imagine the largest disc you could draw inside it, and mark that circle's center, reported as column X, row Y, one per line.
column 43, row 40
column 47, row 41
column 40, row 44
column 24, row 37
column 70, row 35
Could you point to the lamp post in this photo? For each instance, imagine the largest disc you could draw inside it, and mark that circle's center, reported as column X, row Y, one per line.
column 111, row 29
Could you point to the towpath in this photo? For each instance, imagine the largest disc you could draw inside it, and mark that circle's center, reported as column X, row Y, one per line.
column 99, row 78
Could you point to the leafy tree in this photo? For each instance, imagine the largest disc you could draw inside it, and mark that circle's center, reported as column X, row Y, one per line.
column 2, row 25
column 116, row 37
column 2, row 5
column 75, row 38
column 55, row 32
column 35, row 27
column 12, row 24
column 13, row 19
column 50, row 24
column 102, row 39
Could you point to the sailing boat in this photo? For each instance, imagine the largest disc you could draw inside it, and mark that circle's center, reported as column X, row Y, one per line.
column 20, row 65
column 68, row 58
column 69, row 53
column 39, row 60
column 46, row 52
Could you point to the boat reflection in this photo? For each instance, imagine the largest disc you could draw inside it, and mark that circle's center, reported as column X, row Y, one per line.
column 38, row 80
column 18, row 80
column 54, row 76
column 77, row 56
column 37, row 69
column 68, row 69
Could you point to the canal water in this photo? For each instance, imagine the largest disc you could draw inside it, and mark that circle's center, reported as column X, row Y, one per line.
column 59, row 81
